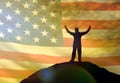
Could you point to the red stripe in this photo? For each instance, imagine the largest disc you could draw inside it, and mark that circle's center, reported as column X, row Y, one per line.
column 39, row 58
column 90, row 6
column 96, row 25
column 109, row 61
column 104, row 61
column 94, row 42
column 15, row 73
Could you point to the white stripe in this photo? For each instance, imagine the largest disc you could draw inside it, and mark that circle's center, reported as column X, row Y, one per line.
column 21, row 65
column 100, row 1
column 10, row 80
column 59, row 51
column 24, row 65
column 95, row 34
column 90, row 15
column 113, row 69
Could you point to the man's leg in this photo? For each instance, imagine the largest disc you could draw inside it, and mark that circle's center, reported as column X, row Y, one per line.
column 73, row 54
column 79, row 54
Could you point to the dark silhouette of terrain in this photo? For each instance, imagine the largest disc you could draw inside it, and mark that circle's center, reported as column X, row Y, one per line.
column 73, row 72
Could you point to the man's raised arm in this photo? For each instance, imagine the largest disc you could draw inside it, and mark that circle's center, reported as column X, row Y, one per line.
column 68, row 30
column 83, row 33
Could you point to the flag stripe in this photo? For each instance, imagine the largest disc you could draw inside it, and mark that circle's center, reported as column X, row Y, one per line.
column 104, row 61
column 90, row 6
column 36, row 66
column 18, row 64
column 96, row 24
column 10, row 80
column 111, row 60
column 100, row 1
column 60, row 51
column 96, row 34
column 114, row 69
column 15, row 73
column 90, row 15
column 94, row 42
column 89, row 42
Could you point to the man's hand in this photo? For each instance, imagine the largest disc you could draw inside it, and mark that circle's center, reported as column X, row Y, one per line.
column 65, row 26
column 89, row 26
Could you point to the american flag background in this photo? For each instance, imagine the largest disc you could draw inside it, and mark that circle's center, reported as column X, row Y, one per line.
column 32, row 34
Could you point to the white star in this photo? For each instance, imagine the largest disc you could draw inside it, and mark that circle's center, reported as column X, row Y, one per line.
column 18, row 38
column 53, row 40
column 35, row 26
column 52, row 14
column 44, row 33
column 43, row 7
column 34, row 12
column 8, row 17
column 17, row 11
column 27, row 32
column 26, row 19
column 8, row 4
column 1, row 10
column 2, row 35
column 36, row 40
column 53, row 27
column 26, row 5
column 18, row 25
column 1, row 23
column 35, row 1
column 9, row 30
column 44, row 20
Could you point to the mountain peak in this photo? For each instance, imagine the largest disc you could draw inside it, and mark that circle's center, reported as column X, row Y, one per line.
column 73, row 72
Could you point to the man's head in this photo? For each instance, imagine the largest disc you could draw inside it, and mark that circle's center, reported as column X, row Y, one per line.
column 76, row 29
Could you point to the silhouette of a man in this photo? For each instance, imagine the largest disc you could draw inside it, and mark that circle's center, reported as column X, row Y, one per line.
column 77, row 42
